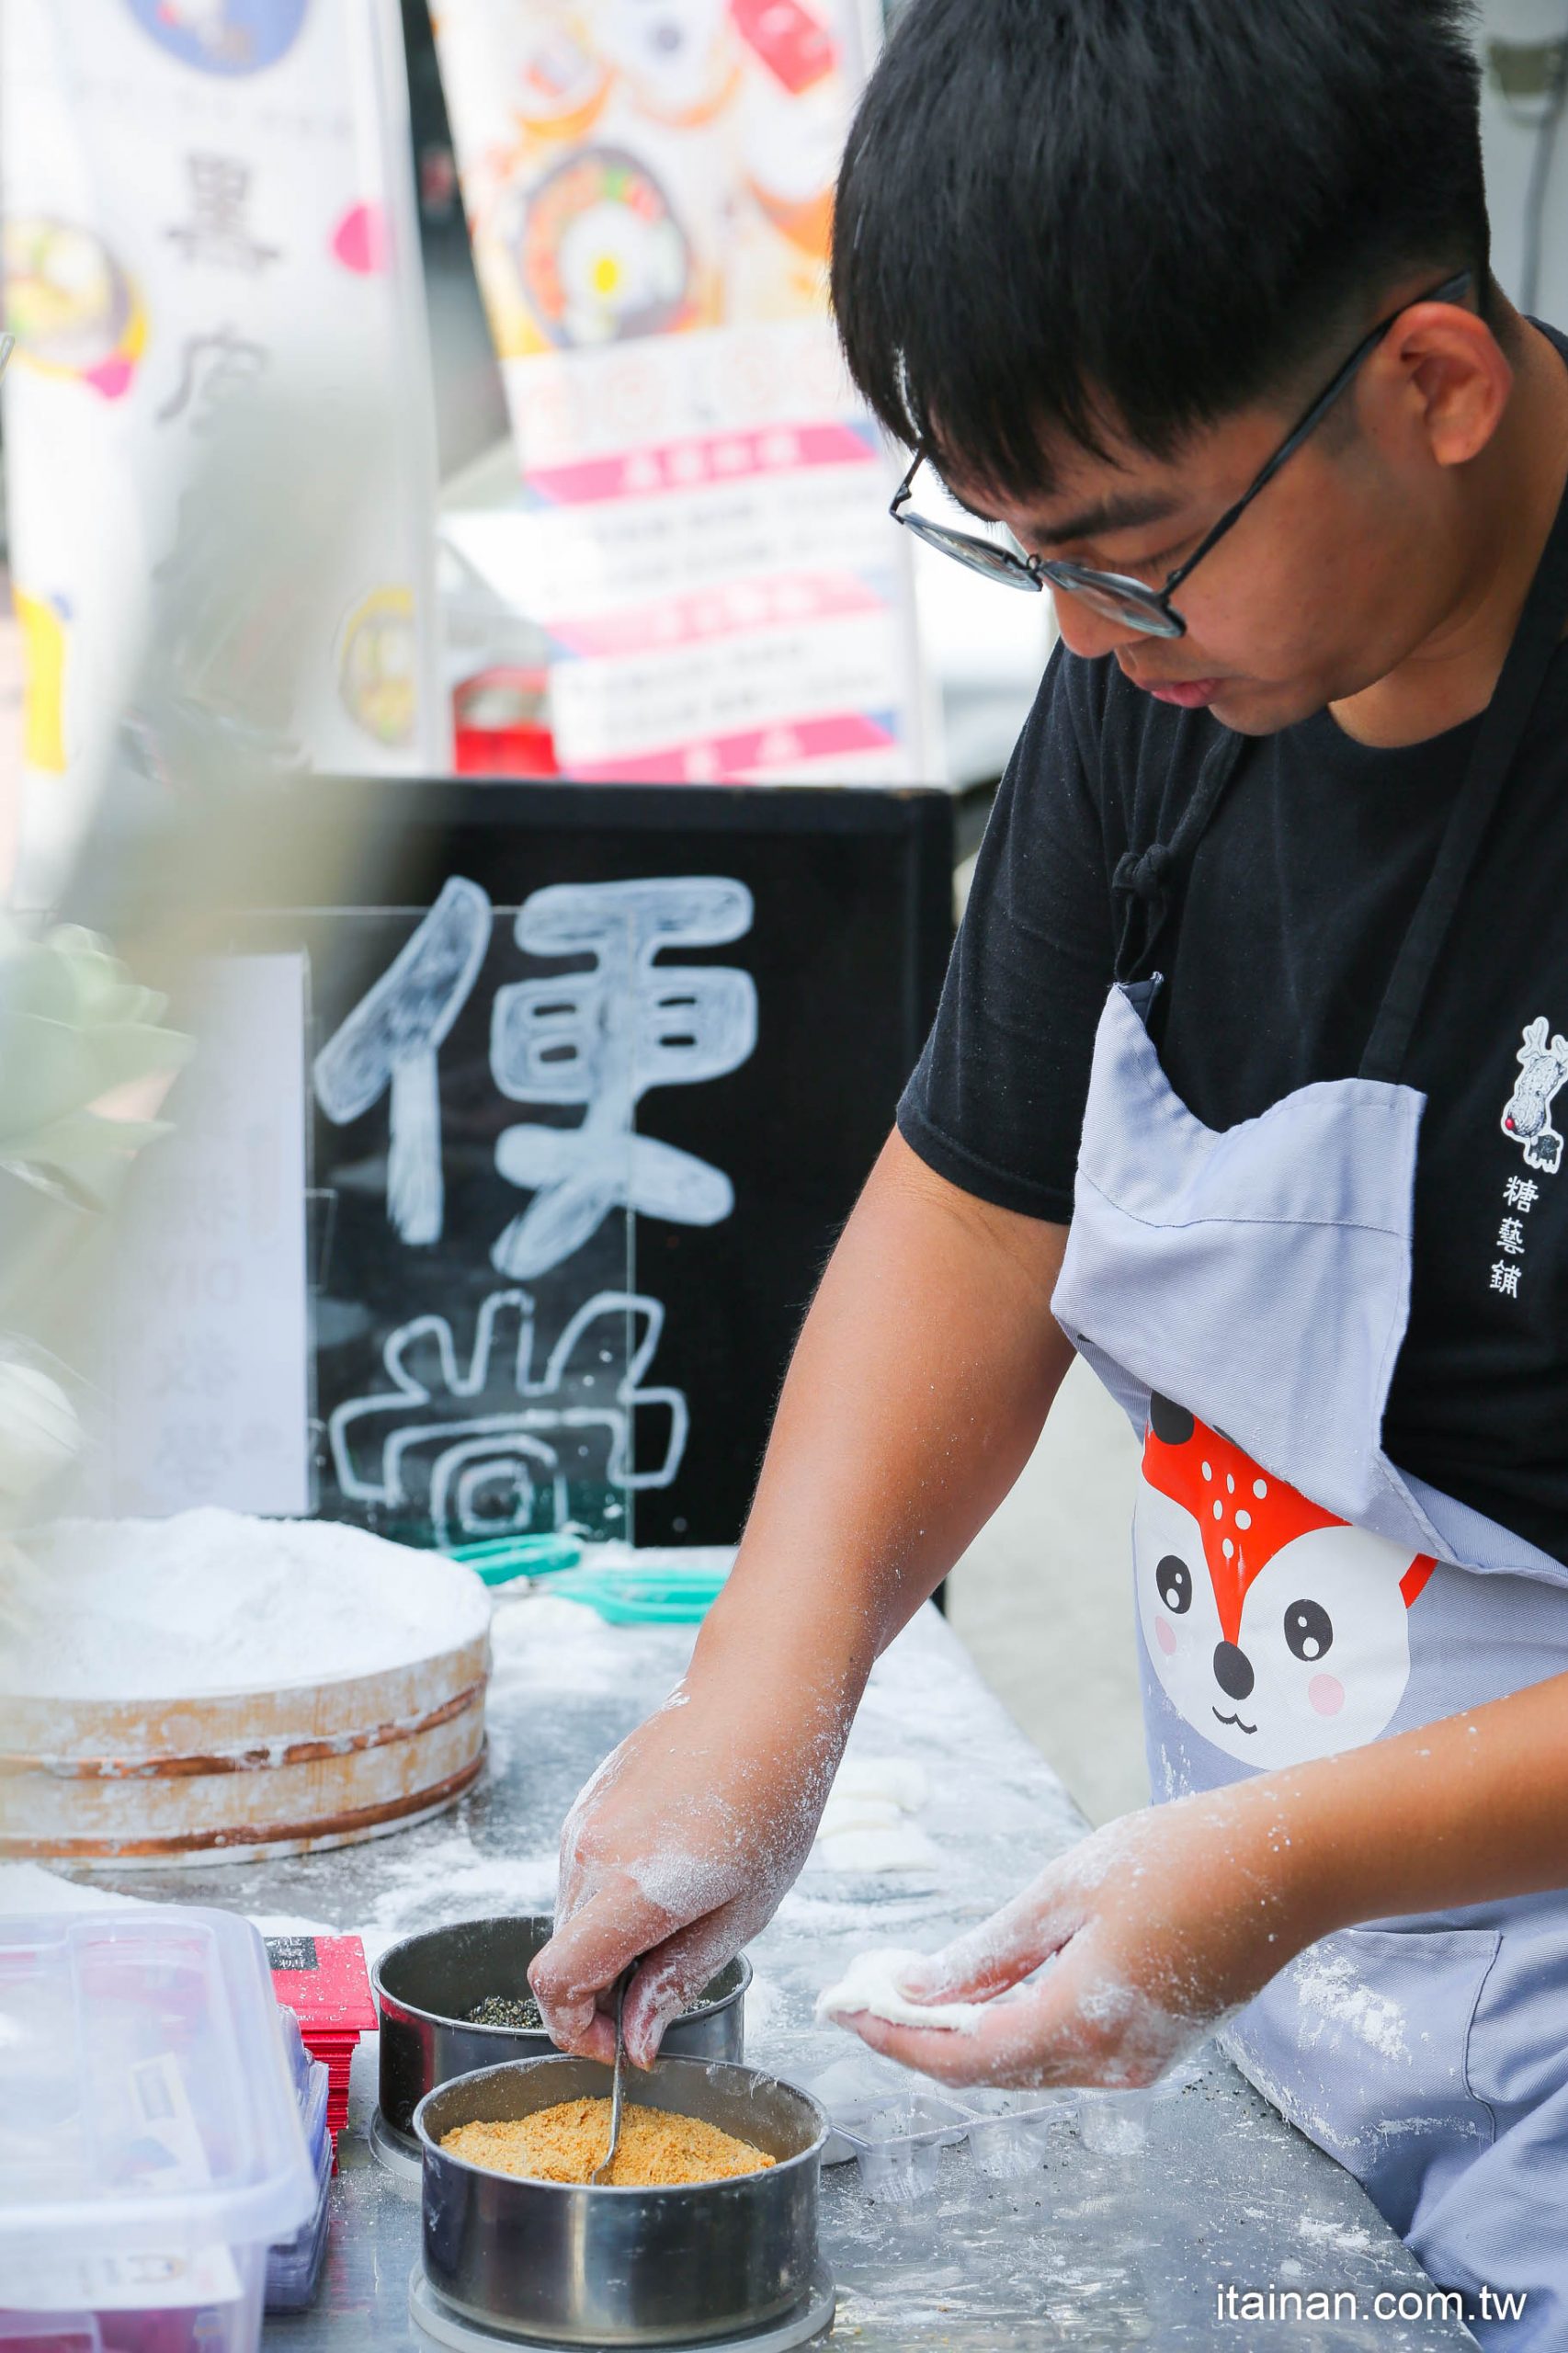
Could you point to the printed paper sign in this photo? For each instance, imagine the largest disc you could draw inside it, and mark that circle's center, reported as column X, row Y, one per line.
column 704, row 531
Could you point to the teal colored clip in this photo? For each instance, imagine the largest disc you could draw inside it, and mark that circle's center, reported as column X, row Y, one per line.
column 674, row 1594
column 667, row 1596
column 499, row 1559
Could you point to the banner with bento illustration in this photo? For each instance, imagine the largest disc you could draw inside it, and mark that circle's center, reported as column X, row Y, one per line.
column 206, row 203
column 703, row 531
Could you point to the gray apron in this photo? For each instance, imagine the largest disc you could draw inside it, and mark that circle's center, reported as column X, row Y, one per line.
column 1243, row 1295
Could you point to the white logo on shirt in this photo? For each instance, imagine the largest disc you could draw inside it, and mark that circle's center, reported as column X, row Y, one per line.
column 1527, row 1115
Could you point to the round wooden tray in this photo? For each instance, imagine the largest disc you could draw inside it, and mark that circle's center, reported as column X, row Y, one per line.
column 276, row 1772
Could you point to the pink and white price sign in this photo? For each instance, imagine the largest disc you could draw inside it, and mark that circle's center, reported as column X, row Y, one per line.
column 703, row 527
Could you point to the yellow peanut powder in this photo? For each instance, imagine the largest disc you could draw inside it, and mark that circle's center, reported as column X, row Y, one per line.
column 564, row 2143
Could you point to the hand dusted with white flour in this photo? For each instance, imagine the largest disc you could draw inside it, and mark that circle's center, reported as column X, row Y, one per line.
column 1111, row 1964
column 680, row 1848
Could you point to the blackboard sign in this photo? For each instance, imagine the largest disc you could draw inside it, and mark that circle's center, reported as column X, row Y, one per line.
column 597, row 1073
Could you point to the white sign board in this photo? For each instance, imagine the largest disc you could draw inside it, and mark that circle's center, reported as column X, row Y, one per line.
column 208, row 1376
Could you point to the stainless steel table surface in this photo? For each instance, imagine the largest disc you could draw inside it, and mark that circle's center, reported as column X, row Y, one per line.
column 1090, row 2251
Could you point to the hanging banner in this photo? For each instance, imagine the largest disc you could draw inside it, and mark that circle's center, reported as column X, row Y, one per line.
column 704, row 532
column 209, row 202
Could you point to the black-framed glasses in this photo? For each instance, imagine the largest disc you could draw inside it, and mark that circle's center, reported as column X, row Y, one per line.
column 1113, row 594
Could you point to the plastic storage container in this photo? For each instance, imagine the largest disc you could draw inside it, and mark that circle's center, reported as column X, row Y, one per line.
column 1116, row 2124
column 311, row 2079
column 294, row 2265
column 895, row 2133
column 151, row 2142
column 1009, row 2132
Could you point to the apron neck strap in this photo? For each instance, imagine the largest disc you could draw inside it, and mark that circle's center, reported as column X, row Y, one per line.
column 1503, row 728
column 1146, row 883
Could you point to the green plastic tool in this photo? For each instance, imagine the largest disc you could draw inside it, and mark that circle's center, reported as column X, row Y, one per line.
column 670, row 1594
column 499, row 1559
column 674, row 1593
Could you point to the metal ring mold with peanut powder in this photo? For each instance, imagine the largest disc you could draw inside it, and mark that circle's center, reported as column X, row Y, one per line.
column 426, row 1985
column 571, row 2264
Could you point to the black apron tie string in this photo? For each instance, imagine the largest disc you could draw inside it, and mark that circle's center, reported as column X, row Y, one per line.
column 1145, row 884
column 1144, row 872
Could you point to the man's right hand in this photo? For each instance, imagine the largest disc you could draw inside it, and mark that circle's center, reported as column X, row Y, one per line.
column 675, row 1854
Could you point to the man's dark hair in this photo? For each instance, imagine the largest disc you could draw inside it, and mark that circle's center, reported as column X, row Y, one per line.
column 1076, row 215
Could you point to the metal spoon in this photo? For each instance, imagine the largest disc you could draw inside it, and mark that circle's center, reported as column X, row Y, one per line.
column 600, row 2174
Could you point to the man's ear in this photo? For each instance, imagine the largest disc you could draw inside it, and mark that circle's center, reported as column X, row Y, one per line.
column 1441, row 376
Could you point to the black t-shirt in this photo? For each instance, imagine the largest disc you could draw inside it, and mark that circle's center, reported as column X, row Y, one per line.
column 1291, row 917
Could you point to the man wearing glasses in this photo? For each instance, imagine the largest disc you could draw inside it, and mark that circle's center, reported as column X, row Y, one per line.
column 1242, row 1086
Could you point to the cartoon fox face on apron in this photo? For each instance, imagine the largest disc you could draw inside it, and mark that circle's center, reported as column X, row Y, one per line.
column 1273, row 1627
column 1244, row 1294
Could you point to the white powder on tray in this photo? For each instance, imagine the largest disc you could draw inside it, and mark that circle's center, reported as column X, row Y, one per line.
column 216, row 1601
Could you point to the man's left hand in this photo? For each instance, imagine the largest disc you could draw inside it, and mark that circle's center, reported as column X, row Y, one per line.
column 1154, row 1929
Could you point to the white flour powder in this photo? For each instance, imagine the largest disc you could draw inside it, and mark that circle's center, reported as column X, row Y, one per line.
column 214, row 1601
column 865, row 1826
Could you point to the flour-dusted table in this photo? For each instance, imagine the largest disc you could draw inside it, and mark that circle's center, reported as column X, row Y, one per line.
column 1091, row 2251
